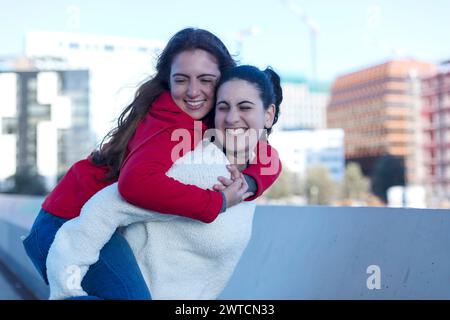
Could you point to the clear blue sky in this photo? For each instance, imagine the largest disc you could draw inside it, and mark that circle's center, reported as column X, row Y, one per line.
column 353, row 33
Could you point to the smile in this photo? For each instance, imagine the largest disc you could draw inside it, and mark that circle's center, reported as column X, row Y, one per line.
column 235, row 131
column 194, row 104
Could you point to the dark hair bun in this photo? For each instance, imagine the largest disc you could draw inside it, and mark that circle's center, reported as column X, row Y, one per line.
column 276, row 83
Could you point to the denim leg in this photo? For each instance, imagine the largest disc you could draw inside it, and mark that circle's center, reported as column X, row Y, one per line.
column 40, row 238
column 115, row 276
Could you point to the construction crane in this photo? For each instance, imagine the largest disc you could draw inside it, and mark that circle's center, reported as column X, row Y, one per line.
column 313, row 28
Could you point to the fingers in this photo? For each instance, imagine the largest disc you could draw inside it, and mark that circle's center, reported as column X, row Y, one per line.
column 235, row 173
column 236, row 192
column 225, row 181
column 244, row 186
column 218, row 187
column 236, row 187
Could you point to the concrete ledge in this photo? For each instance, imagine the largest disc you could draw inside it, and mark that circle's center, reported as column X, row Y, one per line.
column 17, row 214
column 303, row 252
column 324, row 253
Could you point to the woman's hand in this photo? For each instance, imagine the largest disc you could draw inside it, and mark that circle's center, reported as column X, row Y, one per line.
column 225, row 182
column 234, row 189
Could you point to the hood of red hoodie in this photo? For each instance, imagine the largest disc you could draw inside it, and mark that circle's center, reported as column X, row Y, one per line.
column 164, row 114
column 166, row 110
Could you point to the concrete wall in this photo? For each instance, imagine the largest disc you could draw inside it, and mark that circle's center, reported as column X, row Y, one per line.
column 17, row 215
column 305, row 252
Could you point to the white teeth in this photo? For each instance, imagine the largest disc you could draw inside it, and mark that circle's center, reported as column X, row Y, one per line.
column 195, row 103
column 236, row 131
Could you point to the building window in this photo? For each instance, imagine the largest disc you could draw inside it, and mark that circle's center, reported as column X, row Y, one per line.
column 74, row 45
column 109, row 48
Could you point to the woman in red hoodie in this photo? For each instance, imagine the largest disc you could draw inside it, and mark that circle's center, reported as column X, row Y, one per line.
column 138, row 153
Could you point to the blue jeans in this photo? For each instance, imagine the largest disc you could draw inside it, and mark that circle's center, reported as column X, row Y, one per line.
column 115, row 276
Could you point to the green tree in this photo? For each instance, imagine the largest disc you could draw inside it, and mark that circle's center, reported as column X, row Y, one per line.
column 355, row 186
column 285, row 186
column 319, row 188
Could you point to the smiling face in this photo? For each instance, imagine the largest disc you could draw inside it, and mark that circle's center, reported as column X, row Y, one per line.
column 240, row 116
column 193, row 78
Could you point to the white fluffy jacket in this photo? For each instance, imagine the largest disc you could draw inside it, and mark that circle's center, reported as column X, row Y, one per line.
column 180, row 258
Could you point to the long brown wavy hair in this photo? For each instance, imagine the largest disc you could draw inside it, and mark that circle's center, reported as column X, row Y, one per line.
column 112, row 149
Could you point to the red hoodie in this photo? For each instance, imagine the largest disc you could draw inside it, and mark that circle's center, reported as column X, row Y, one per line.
column 142, row 180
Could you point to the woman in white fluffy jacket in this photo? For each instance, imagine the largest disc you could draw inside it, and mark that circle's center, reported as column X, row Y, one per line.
column 180, row 258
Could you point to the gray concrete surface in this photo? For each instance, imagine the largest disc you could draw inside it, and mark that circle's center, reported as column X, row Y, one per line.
column 324, row 253
column 304, row 252
column 12, row 287
column 7, row 289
